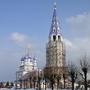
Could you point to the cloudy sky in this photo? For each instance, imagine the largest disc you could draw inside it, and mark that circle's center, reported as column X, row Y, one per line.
column 26, row 23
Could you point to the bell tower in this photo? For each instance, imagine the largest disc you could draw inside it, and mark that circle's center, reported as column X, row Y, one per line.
column 55, row 49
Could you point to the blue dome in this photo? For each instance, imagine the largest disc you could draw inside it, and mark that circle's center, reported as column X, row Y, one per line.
column 34, row 58
column 26, row 57
column 22, row 59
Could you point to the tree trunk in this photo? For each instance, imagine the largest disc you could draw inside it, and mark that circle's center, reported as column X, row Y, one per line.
column 24, row 84
column 45, row 84
column 85, row 85
column 34, row 84
column 52, row 85
column 64, row 82
column 39, row 86
column 30, row 82
column 57, row 84
column 73, row 83
column 21, row 84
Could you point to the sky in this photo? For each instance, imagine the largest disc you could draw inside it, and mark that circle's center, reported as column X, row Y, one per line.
column 26, row 23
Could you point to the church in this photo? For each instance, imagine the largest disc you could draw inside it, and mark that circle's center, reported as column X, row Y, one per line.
column 55, row 53
column 27, row 72
column 28, row 75
column 28, row 64
column 55, row 49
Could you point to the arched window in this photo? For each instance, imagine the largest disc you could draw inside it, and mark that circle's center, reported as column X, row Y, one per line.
column 58, row 37
column 54, row 37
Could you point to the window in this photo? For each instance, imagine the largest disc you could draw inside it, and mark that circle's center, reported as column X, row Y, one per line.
column 54, row 37
column 58, row 37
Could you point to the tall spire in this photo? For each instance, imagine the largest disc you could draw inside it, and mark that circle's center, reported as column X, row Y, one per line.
column 55, row 28
column 54, row 14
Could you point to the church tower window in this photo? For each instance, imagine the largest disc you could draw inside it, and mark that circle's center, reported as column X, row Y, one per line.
column 54, row 38
column 58, row 37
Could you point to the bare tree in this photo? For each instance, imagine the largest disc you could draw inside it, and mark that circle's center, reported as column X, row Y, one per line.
column 45, row 78
column 85, row 65
column 73, row 74
column 64, row 77
column 34, row 81
column 50, row 74
column 58, row 77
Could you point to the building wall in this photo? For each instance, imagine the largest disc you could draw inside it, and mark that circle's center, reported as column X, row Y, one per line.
column 55, row 54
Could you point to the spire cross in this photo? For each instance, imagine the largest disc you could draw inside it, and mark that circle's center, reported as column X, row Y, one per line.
column 54, row 5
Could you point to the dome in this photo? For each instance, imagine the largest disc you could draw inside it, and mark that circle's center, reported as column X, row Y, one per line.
column 25, row 58
column 22, row 59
